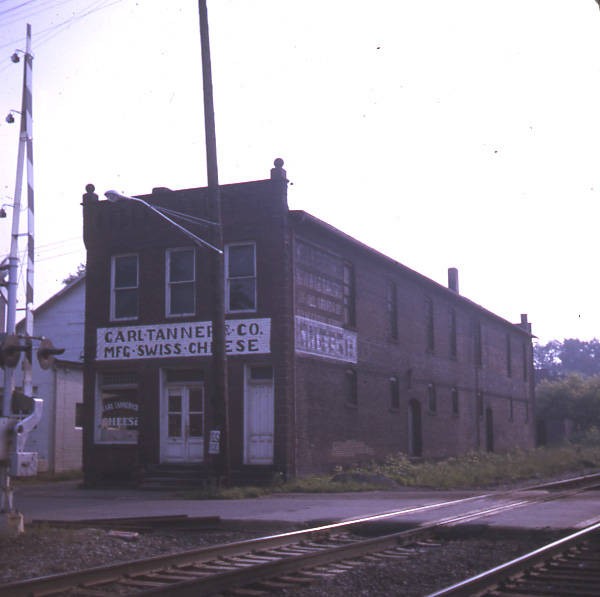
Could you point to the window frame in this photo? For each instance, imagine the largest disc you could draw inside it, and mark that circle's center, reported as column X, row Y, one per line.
column 455, row 401
column 351, row 383
column 431, row 398
column 349, row 295
column 114, row 289
column 228, row 278
column 453, row 334
column 79, row 417
column 392, row 309
column 121, row 381
column 394, row 393
column 478, row 344
column 429, row 325
column 169, row 283
column 479, row 403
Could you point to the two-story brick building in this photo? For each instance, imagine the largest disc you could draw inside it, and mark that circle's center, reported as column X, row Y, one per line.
column 336, row 353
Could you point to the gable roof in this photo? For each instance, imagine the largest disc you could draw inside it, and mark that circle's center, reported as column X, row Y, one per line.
column 68, row 288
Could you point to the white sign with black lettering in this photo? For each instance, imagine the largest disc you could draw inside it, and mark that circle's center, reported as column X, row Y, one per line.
column 324, row 340
column 165, row 340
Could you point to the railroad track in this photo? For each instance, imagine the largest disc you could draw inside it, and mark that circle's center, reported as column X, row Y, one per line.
column 569, row 567
column 254, row 566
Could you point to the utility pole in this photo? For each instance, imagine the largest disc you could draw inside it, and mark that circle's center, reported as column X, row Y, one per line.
column 219, row 355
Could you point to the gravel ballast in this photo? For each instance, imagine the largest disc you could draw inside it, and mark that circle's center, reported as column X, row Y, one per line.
column 44, row 550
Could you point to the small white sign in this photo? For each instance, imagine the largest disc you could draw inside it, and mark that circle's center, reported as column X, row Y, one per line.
column 324, row 340
column 214, row 442
column 191, row 339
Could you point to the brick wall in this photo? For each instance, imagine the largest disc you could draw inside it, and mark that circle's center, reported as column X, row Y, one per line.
column 331, row 432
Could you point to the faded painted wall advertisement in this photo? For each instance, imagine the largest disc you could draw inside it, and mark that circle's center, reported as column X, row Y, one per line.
column 191, row 339
column 324, row 340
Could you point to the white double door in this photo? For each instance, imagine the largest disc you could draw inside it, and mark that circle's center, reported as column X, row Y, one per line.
column 182, row 423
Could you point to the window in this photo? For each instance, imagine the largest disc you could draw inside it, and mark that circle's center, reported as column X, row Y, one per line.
column 392, row 309
column 479, row 398
column 79, row 414
column 453, row 342
column 454, row 400
column 125, row 286
column 508, row 356
column 181, row 281
column 394, row 393
column 429, row 324
column 184, row 375
column 511, row 409
column 477, row 346
column 260, row 373
column 117, row 409
column 349, row 296
column 240, row 263
column 351, row 388
column 431, row 398
column 525, row 362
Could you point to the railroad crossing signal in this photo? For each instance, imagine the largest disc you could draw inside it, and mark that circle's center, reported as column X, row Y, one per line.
column 46, row 353
column 11, row 349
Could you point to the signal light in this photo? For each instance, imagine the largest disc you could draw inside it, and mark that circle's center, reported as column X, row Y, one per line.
column 10, row 350
column 46, row 353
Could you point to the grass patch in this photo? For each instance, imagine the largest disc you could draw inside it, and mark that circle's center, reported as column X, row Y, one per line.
column 482, row 469
column 472, row 471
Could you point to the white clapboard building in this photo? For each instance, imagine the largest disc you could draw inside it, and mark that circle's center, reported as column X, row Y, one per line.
column 58, row 437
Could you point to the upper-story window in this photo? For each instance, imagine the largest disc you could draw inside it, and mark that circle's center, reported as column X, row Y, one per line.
column 124, row 282
column 349, row 295
column 453, row 335
column 392, row 309
column 240, row 271
column 429, row 329
column 477, row 344
column 508, row 356
column 181, row 282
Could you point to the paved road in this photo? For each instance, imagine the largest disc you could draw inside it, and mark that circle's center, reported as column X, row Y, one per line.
column 66, row 501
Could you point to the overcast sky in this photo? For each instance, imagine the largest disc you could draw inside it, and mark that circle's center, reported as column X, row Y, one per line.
column 444, row 134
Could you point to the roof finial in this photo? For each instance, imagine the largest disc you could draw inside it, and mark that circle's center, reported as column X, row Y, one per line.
column 89, row 196
column 278, row 173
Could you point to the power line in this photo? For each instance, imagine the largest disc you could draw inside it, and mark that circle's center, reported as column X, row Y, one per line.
column 46, row 34
column 16, row 7
column 40, row 7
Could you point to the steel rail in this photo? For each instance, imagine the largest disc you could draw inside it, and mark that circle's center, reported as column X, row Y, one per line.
column 103, row 574
column 293, row 564
column 490, row 579
column 55, row 584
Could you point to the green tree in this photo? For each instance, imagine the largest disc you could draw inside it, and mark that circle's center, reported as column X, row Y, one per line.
column 574, row 397
column 557, row 359
column 78, row 274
